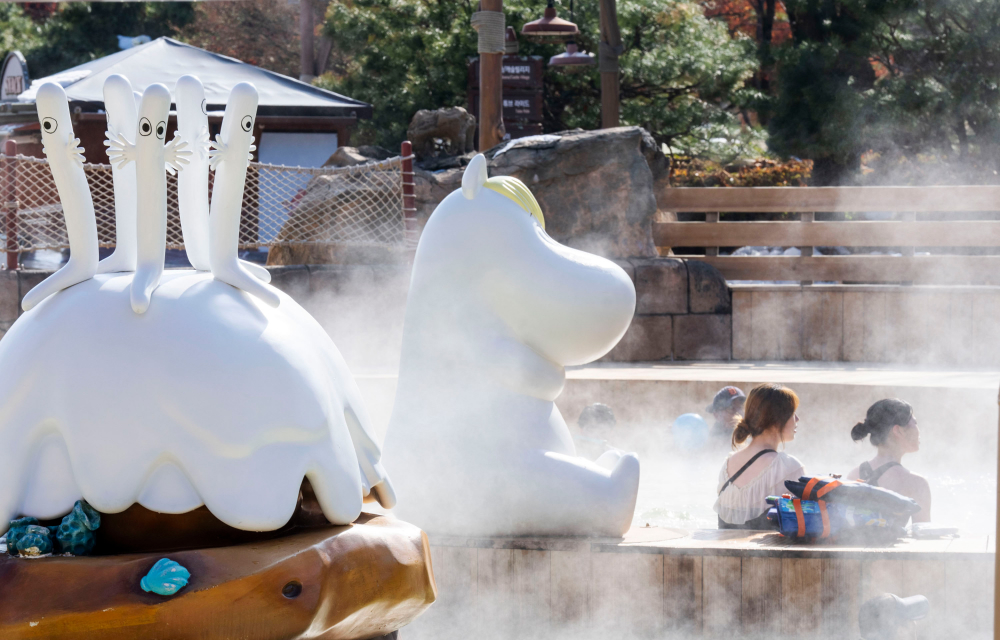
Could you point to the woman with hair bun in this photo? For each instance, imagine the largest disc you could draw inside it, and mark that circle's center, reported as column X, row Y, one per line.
column 891, row 427
column 757, row 470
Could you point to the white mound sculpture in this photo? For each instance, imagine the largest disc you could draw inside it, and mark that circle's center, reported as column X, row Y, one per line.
column 209, row 396
column 496, row 310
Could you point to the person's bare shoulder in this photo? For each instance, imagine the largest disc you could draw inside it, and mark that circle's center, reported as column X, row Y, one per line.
column 854, row 474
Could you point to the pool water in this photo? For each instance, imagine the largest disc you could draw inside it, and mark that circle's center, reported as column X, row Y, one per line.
column 678, row 490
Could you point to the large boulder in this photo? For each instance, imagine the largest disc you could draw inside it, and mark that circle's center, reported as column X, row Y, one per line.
column 442, row 132
column 596, row 188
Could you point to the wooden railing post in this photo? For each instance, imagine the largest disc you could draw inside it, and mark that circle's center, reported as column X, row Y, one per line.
column 10, row 202
column 906, row 218
column 409, row 195
column 712, row 218
column 807, row 217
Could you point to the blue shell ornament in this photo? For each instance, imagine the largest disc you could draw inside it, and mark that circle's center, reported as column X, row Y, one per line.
column 165, row 578
column 16, row 530
column 75, row 533
column 34, row 541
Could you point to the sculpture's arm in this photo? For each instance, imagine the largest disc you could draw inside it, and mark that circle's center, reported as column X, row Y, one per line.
column 176, row 155
column 221, row 152
column 72, row 151
column 120, row 151
column 521, row 369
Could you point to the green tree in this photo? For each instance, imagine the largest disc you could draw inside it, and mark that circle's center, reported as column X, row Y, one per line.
column 80, row 31
column 940, row 95
column 683, row 77
column 823, row 109
column 17, row 31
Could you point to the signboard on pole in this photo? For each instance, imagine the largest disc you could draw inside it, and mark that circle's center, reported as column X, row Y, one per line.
column 14, row 77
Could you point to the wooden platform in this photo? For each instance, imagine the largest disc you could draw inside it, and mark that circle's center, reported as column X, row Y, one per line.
column 363, row 580
column 665, row 583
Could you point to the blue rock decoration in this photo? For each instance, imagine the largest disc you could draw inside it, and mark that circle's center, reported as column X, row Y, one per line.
column 16, row 530
column 34, row 541
column 165, row 578
column 75, row 533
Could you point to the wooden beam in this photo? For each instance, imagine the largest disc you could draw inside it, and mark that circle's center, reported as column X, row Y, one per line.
column 921, row 269
column 491, row 130
column 610, row 83
column 824, row 199
column 980, row 233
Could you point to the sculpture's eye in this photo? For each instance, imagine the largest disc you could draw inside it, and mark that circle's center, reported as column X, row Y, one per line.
column 49, row 125
column 204, row 106
column 161, row 129
column 145, row 127
column 246, row 123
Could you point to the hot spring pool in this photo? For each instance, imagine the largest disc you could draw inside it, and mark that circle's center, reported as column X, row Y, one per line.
column 678, row 491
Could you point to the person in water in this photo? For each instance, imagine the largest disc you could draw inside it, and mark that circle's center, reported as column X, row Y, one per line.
column 726, row 408
column 891, row 426
column 758, row 470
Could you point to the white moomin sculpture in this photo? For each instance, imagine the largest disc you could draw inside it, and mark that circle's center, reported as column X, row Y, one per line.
column 496, row 310
column 201, row 395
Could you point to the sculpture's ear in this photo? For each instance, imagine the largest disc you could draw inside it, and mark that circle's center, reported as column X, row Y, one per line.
column 475, row 176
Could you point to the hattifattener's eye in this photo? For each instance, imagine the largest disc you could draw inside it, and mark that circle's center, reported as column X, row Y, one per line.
column 161, row 130
column 145, row 127
column 49, row 125
column 247, row 123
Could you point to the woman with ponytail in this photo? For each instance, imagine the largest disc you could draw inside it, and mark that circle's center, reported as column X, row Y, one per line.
column 757, row 470
column 891, row 427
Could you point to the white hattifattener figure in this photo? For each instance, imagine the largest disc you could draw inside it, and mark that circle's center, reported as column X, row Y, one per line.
column 123, row 116
column 66, row 162
column 152, row 159
column 230, row 158
column 102, row 403
column 496, row 310
column 192, row 183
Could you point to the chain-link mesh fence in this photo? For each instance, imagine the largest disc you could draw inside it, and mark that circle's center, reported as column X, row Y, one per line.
column 359, row 205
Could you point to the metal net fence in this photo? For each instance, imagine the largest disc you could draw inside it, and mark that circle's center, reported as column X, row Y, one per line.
column 359, row 205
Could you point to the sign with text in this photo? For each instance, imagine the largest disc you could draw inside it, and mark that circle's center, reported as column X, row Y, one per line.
column 516, row 72
column 14, row 77
column 517, row 107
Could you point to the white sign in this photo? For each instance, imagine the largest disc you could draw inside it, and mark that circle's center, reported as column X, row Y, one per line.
column 14, row 78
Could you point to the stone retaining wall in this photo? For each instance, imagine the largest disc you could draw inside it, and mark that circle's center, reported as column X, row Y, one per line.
column 685, row 310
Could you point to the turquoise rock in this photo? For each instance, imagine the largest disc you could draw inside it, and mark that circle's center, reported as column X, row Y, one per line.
column 34, row 541
column 165, row 578
column 16, row 530
column 75, row 533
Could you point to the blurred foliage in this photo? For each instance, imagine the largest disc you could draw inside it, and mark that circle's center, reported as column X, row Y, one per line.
column 17, row 30
column 698, row 172
column 264, row 33
column 78, row 32
column 683, row 76
column 900, row 78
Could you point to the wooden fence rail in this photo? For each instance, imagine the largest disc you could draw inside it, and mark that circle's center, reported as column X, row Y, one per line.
column 806, row 233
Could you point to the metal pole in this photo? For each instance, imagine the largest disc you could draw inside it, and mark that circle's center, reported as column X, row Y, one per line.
column 491, row 129
column 996, row 559
column 10, row 150
column 307, row 59
column 409, row 199
column 611, row 38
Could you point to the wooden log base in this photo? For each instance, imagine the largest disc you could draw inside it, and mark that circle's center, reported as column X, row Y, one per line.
column 362, row 580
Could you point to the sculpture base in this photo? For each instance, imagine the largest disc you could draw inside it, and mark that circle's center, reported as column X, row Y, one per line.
column 362, row 580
